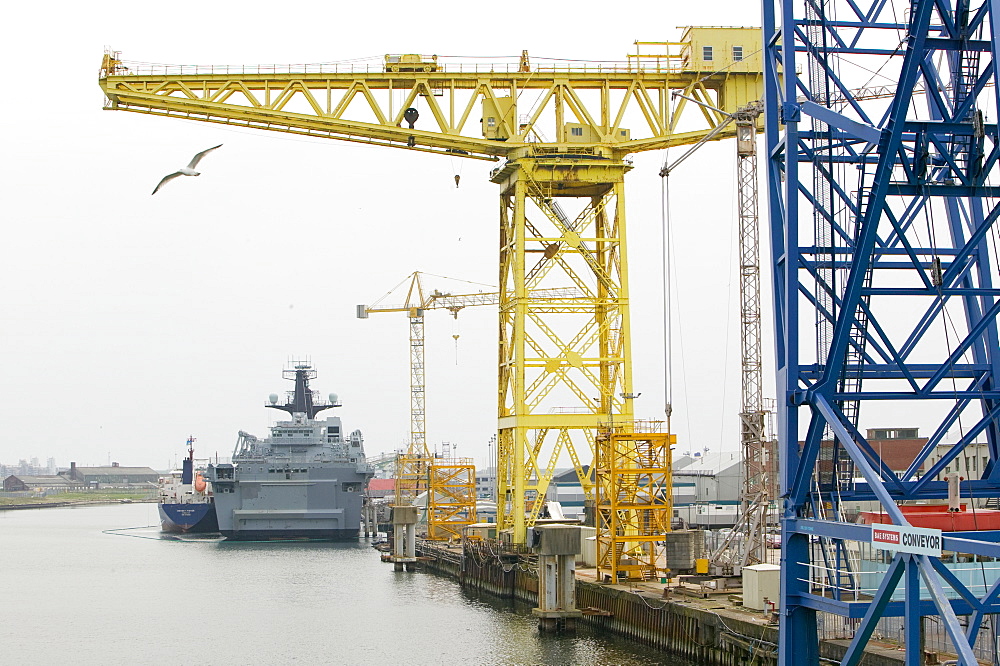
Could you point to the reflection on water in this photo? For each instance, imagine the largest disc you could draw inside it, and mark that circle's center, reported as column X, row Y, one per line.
column 89, row 586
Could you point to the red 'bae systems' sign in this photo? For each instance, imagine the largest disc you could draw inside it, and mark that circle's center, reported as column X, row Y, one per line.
column 880, row 535
column 918, row 540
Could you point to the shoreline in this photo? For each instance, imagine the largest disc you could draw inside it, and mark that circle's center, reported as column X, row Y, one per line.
column 49, row 505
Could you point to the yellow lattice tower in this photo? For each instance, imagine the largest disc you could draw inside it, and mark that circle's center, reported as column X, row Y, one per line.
column 634, row 499
column 567, row 351
column 451, row 500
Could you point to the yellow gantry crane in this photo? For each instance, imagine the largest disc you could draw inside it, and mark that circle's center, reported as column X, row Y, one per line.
column 563, row 132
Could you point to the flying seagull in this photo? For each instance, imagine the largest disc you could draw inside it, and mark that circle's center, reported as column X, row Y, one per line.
column 188, row 170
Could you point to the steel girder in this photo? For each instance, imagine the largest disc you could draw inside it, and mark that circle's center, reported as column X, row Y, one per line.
column 885, row 252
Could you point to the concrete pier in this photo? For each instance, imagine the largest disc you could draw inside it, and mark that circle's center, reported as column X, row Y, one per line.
column 558, row 546
column 712, row 630
column 404, row 533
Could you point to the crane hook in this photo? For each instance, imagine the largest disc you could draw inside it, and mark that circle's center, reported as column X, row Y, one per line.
column 457, row 178
column 410, row 116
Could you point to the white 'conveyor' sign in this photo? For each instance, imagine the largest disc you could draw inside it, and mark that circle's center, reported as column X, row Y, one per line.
column 917, row 540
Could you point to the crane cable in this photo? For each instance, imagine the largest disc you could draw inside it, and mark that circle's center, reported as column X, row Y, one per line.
column 456, row 168
column 668, row 370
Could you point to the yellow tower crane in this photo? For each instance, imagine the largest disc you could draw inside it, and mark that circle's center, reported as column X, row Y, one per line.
column 413, row 472
column 449, row 483
column 417, row 301
column 411, row 468
column 564, row 132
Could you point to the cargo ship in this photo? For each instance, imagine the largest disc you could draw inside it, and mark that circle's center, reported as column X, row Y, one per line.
column 305, row 481
column 185, row 499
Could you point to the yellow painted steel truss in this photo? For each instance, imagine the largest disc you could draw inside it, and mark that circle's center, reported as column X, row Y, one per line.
column 412, row 469
column 634, row 500
column 564, row 363
column 451, row 503
column 576, row 103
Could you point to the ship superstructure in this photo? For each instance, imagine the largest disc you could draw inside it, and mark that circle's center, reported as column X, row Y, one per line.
column 306, row 480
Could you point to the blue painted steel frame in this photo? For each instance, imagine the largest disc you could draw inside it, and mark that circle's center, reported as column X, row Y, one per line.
column 884, row 241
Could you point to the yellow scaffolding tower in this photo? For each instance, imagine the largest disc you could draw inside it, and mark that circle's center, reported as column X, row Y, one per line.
column 634, row 500
column 412, row 470
column 451, row 498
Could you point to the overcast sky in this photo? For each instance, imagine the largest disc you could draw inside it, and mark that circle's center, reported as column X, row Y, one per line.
column 130, row 322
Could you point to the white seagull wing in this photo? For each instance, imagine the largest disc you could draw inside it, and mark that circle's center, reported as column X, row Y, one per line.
column 197, row 158
column 166, row 179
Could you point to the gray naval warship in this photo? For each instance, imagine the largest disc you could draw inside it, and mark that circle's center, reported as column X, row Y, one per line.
column 305, row 481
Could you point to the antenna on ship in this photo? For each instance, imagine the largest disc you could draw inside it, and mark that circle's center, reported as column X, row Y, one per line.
column 301, row 400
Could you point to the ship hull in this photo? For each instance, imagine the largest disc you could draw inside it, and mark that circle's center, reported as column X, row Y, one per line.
column 322, row 502
column 291, row 535
column 189, row 518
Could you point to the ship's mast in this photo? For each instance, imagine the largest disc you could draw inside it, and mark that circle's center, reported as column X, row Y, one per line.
column 302, row 400
column 187, row 470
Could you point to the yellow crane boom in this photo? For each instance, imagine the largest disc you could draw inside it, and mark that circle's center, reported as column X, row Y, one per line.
column 480, row 110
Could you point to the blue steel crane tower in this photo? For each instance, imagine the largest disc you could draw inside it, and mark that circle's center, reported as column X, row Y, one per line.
column 883, row 223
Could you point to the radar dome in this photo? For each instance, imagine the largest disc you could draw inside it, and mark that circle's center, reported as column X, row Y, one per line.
column 273, row 398
column 333, row 398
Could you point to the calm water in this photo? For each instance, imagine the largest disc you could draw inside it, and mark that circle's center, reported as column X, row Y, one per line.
column 78, row 585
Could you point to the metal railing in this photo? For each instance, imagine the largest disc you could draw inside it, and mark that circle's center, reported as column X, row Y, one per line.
column 892, row 629
column 137, row 68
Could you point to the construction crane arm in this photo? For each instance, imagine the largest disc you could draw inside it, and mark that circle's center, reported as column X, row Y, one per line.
column 436, row 300
column 486, row 111
column 456, row 302
column 417, row 299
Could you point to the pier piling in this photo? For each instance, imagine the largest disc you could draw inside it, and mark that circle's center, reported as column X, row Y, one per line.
column 404, row 542
column 558, row 547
